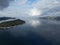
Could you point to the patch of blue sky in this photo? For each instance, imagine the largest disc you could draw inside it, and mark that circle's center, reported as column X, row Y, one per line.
column 30, row 2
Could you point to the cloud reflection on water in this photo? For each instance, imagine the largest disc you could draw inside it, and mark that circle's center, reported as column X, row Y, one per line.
column 34, row 23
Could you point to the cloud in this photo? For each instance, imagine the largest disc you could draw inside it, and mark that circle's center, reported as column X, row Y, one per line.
column 48, row 7
column 4, row 4
column 21, row 8
column 52, row 11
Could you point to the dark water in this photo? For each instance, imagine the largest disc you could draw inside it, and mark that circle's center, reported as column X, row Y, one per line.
column 33, row 32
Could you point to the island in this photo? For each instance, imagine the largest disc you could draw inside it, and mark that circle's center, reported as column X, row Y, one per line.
column 9, row 22
column 57, row 18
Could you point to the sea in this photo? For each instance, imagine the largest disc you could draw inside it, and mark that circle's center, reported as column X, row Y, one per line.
column 33, row 32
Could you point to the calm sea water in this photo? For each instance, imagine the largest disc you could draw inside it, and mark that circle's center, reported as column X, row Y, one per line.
column 33, row 32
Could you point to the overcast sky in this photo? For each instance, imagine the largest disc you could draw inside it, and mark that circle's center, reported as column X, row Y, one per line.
column 27, row 8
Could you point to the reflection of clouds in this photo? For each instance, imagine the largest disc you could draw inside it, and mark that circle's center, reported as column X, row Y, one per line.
column 34, row 23
column 49, row 30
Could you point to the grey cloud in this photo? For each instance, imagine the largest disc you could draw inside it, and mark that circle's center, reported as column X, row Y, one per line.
column 4, row 3
column 52, row 11
column 58, row 0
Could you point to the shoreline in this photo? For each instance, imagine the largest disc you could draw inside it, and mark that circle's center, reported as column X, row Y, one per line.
column 11, row 23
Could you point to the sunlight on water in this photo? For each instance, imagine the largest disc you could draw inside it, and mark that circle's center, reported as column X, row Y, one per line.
column 35, row 23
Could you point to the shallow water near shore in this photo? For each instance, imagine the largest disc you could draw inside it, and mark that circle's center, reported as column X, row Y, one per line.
column 33, row 32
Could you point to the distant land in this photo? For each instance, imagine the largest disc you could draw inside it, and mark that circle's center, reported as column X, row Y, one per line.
column 57, row 18
column 9, row 22
column 5, row 18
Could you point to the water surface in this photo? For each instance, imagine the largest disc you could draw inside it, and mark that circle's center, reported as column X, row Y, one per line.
column 33, row 32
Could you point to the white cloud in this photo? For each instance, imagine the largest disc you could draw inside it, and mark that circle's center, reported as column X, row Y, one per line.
column 21, row 8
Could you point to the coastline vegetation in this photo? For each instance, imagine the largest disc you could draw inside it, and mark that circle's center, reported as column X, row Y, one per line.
column 12, row 23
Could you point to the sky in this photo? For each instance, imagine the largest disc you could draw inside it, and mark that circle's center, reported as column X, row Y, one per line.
column 29, row 8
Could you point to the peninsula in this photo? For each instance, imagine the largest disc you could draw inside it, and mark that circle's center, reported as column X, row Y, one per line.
column 8, row 22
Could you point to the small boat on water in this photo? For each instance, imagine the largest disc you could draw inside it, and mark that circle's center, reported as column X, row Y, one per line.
column 6, row 22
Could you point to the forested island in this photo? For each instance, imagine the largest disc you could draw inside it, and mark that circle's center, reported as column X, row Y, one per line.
column 8, row 22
